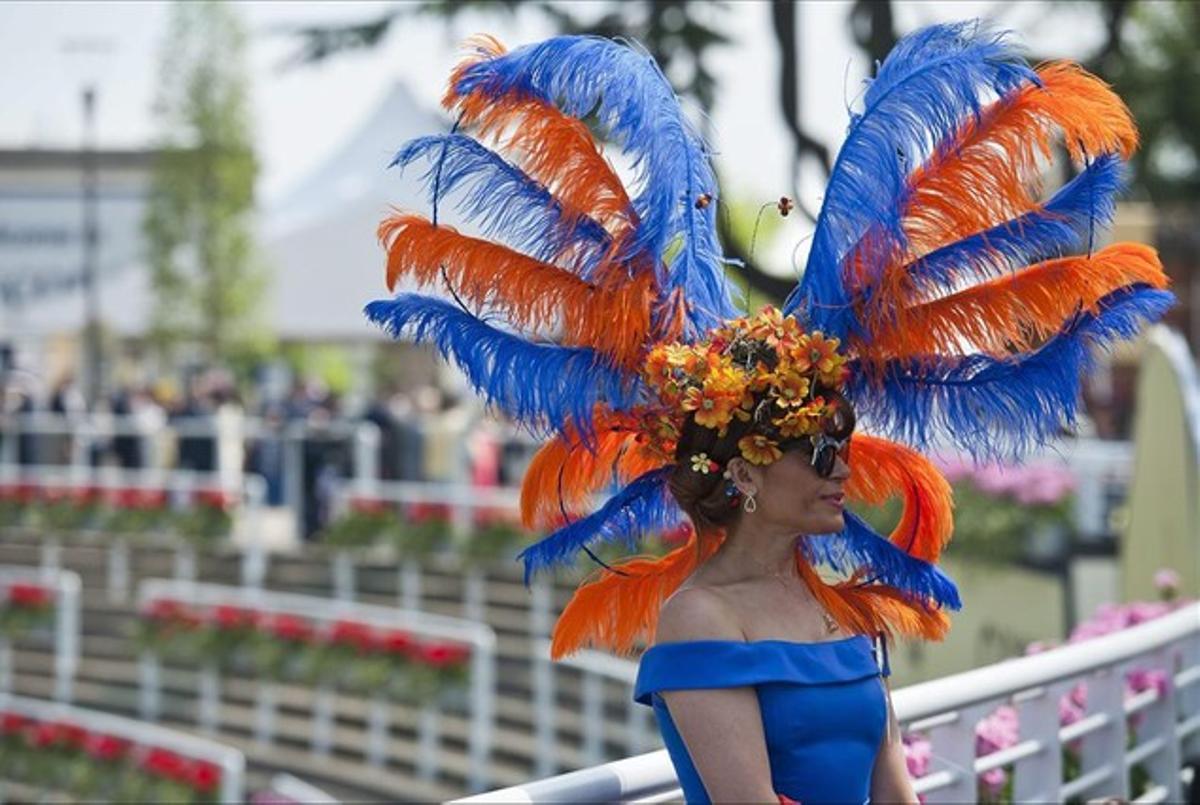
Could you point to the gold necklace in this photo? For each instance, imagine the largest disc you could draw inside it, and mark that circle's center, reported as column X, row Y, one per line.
column 831, row 625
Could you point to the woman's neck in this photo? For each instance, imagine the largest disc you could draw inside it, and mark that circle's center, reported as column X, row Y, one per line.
column 753, row 550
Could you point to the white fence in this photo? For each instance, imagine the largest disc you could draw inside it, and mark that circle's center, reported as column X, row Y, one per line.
column 230, row 761
column 947, row 710
column 247, row 495
column 479, row 637
column 65, row 588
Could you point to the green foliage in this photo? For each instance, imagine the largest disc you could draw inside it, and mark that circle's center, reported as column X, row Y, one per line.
column 1153, row 68
column 205, row 275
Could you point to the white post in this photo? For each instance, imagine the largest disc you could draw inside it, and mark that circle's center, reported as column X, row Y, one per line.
column 474, row 594
column 593, row 718
column 410, row 585
column 543, row 681
column 343, row 576
column 66, row 636
column 322, row 727
column 954, row 752
column 149, row 701
column 6, row 666
column 427, row 742
column 1160, row 720
column 208, row 703
column 1188, row 698
column 1106, row 746
column 51, row 554
column 1039, row 778
column 378, row 720
column 483, row 702
column 264, row 713
column 118, row 570
column 185, row 561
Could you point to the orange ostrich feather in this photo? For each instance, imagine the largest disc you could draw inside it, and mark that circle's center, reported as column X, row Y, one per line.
column 618, row 612
column 566, row 472
column 552, row 147
column 883, row 469
column 996, row 155
column 1020, row 310
column 614, row 319
column 874, row 609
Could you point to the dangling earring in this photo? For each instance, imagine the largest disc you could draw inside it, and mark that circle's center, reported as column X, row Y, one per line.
column 750, row 505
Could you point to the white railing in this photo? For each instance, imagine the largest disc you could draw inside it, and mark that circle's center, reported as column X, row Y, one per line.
column 479, row 637
column 248, row 494
column 946, row 711
column 229, row 435
column 462, row 501
column 230, row 761
column 65, row 587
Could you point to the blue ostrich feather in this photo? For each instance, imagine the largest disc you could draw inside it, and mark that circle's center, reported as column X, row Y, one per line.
column 619, row 88
column 644, row 504
column 999, row 408
column 1061, row 226
column 504, row 201
column 858, row 547
column 930, row 82
column 545, row 387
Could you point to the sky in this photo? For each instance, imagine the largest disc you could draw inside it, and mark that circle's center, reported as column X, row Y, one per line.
column 48, row 50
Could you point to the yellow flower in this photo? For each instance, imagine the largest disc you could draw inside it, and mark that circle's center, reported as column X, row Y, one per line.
column 758, row 449
column 802, row 421
column 658, row 369
column 791, row 389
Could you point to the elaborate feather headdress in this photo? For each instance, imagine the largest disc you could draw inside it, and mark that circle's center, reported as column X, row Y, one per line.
column 967, row 307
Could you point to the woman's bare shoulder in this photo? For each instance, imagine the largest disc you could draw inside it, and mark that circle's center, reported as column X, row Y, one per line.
column 697, row 612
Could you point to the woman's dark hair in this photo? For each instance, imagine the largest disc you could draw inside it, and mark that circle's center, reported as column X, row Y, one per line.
column 705, row 497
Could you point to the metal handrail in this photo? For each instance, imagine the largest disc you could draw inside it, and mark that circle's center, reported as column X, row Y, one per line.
column 948, row 709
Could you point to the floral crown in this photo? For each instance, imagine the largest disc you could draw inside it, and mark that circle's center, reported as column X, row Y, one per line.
column 762, row 369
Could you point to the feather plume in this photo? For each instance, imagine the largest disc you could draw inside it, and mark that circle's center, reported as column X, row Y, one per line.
column 930, row 81
column 642, row 505
column 989, row 170
column 622, row 90
column 615, row 612
column 505, row 202
column 874, row 609
column 996, row 408
column 529, row 293
column 543, row 387
column 1021, row 310
column 1065, row 223
column 568, row 471
column 857, row 549
column 883, row 469
column 555, row 149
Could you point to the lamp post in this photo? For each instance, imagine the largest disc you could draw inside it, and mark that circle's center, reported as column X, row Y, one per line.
column 91, row 244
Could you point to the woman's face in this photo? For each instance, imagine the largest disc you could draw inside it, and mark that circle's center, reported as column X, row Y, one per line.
column 791, row 496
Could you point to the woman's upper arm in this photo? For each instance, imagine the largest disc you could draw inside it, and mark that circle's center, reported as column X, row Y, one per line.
column 721, row 727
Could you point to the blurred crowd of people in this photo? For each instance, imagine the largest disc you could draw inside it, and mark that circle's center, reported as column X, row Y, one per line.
column 422, row 434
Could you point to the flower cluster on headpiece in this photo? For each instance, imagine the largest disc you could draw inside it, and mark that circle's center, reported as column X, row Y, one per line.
column 762, row 369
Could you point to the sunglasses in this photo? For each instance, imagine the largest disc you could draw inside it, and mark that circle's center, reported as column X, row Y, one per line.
column 824, row 451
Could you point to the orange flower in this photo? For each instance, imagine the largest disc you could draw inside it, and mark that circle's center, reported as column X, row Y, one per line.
column 822, row 353
column 658, row 369
column 758, row 449
column 713, row 408
column 776, row 329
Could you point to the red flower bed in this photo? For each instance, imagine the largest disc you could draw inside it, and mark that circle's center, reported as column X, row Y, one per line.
column 29, row 596
column 61, row 744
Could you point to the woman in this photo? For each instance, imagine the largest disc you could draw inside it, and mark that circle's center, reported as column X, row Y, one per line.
column 801, row 705
column 936, row 302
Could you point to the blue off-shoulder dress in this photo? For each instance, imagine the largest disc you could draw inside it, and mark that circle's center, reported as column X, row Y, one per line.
column 824, row 708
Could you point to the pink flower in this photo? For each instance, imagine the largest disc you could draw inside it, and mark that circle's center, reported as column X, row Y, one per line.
column 1166, row 581
column 918, row 754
